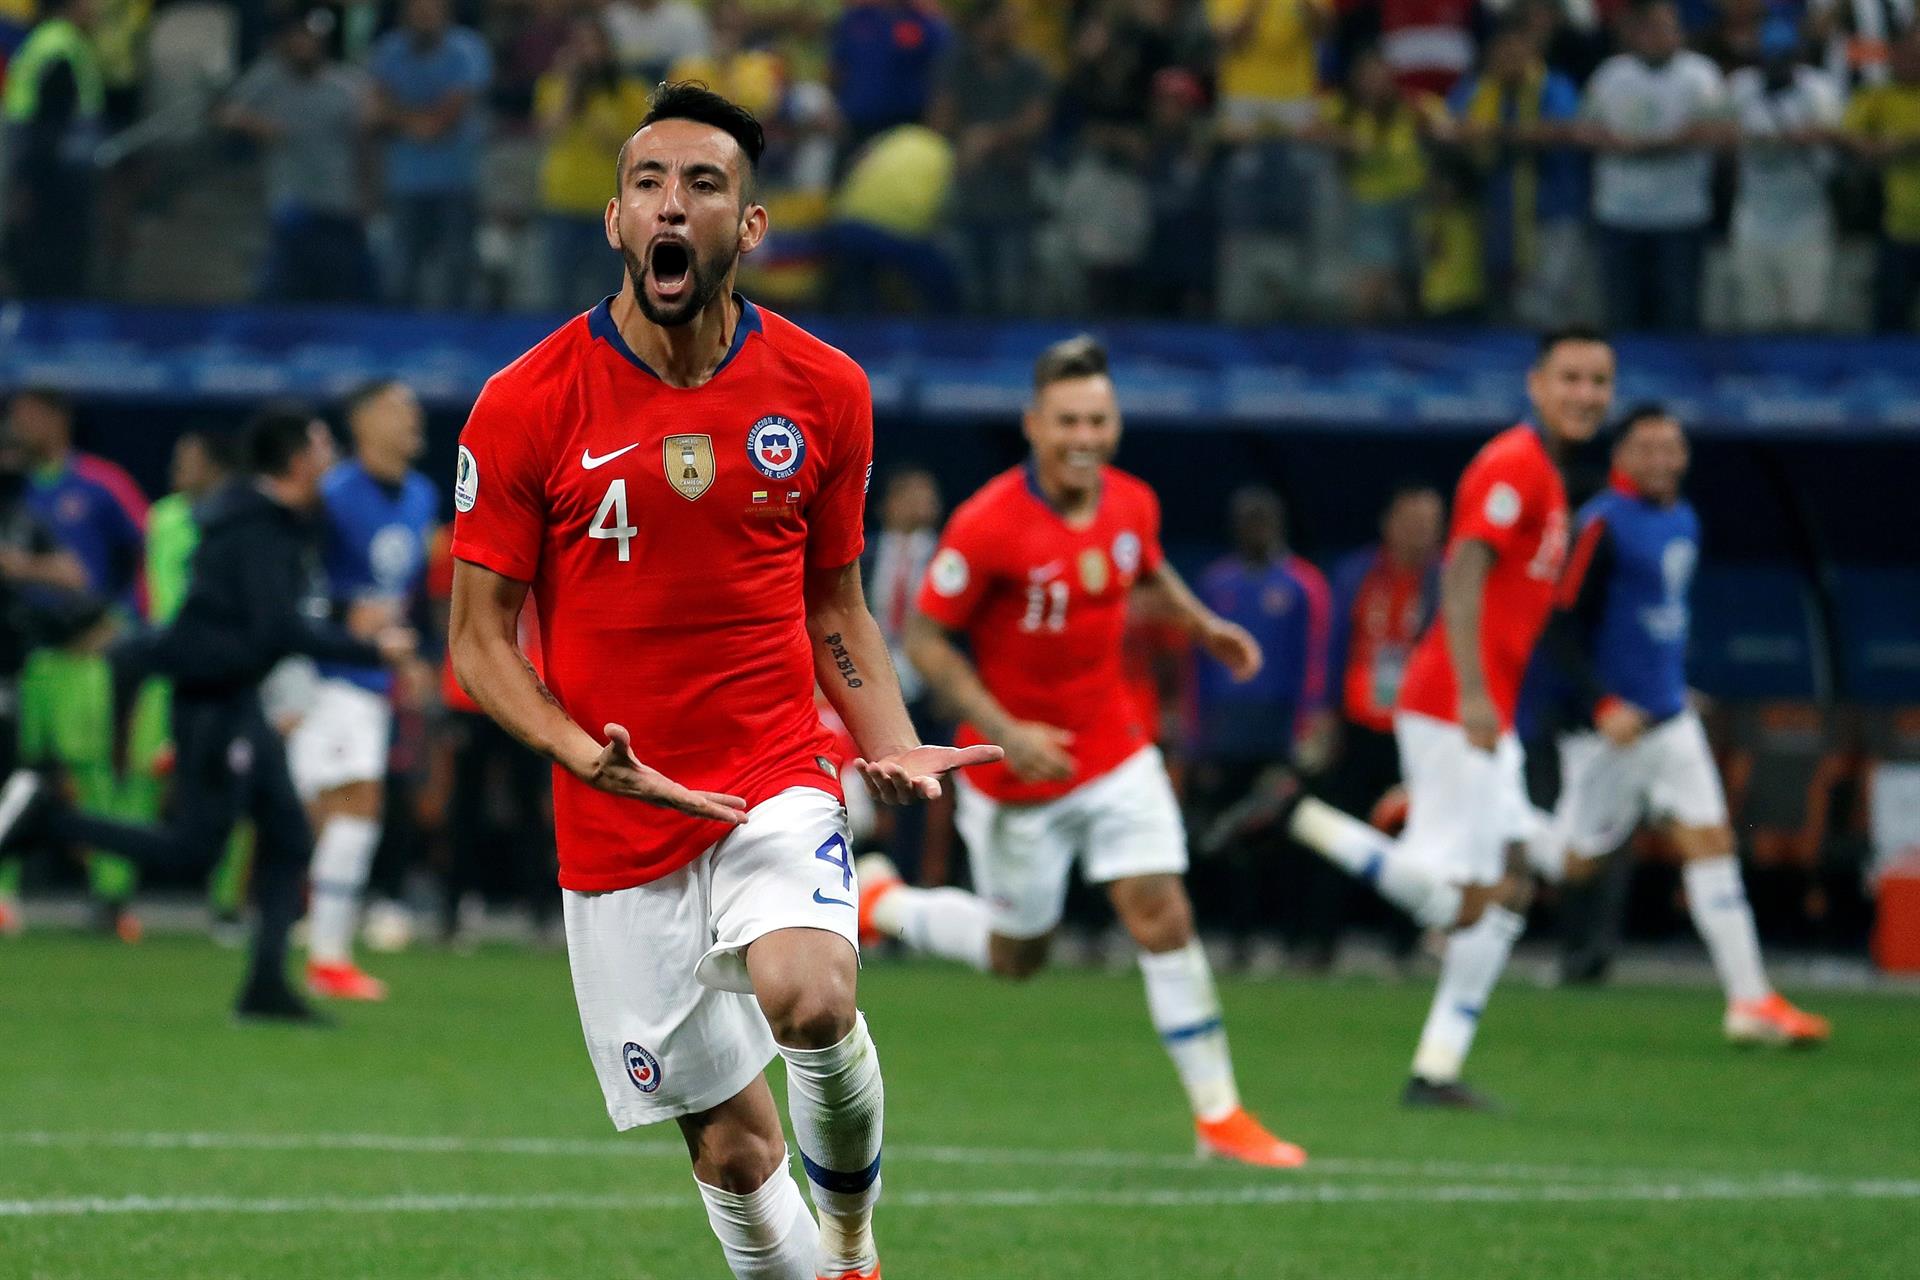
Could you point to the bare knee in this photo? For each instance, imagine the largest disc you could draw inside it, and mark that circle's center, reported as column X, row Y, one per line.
column 1018, row 958
column 813, row 1014
column 1155, row 910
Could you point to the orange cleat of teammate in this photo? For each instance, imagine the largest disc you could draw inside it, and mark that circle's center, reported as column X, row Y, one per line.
column 1238, row 1136
column 872, row 1274
column 878, row 877
column 344, row 982
column 1774, row 1021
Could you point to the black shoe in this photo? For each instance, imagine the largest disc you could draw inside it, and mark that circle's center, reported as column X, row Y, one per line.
column 1587, row 969
column 1445, row 1095
column 277, row 1002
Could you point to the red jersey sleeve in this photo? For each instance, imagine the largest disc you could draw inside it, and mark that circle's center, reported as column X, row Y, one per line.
column 958, row 575
column 836, row 527
column 1493, row 498
column 499, row 487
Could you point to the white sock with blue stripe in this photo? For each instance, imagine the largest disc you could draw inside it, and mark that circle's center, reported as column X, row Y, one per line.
column 1186, row 1013
column 836, row 1102
column 1474, row 959
column 766, row 1234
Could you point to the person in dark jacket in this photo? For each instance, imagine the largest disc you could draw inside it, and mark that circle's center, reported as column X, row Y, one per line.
column 256, row 596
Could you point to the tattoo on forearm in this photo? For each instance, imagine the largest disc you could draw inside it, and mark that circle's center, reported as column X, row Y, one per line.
column 843, row 661
column 538, row 683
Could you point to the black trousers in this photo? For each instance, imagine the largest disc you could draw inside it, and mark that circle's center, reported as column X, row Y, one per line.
column 500, row 818
column 229, row 763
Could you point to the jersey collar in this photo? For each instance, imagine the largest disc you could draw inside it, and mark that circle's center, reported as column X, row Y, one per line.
column 600, row 324
column 1031, row 476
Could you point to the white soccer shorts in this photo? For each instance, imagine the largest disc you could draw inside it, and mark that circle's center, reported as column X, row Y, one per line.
column 1464, row 805
column 343, row 738
column 1666, row 775
column 660, row 970
column 1124, row 823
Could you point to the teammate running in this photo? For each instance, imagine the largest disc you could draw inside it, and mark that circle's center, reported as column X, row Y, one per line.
column 1035, row 571
column 379, row 519
column 680, row 477
column 1621, row 636
column 1460, row 864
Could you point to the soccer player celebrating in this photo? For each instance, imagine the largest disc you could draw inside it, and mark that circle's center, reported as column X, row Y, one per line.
column 679, row 477
column 1620, row 634
column 380, row 515
column 1460, row 864
column 1035, row 571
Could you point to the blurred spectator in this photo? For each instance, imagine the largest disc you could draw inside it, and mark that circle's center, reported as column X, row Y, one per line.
column 90, row 505
column 309, row 116
column 1453, row 274
column 1428, row 44
column 1883, row 126
column 1381, row 137
column 1267, row 75
column 649, row 36
column 586, row 108
column 55, row 102
column 528, row 38
column 1184, row 157
column 993, row 102
column 733, row 66
column 1656, row 112
column 884, row 55
column 1117, row 51
column 1516, row 120
column 432, row 77
column 1783, row 235
column 910, row 510
column 883, row 237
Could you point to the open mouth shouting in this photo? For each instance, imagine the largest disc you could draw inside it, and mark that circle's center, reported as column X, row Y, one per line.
column 670, row 269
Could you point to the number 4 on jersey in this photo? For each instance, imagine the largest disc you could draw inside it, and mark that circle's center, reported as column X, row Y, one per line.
column 610, row 521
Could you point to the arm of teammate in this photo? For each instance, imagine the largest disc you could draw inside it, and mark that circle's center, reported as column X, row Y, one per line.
column 1463, row 581
column 1229, row 643
column 482, row 639
column 1578, row 604
column 851, row 663
column 1035, row 752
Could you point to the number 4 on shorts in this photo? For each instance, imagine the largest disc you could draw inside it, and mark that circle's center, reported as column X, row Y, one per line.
column 835, row 852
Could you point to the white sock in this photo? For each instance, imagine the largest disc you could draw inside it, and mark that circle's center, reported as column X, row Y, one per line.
column 949, row 923
column 341, row 859
column 1362, row 851
column 836, row 1102
column 1546, row 843
column 765, row 1234
column 1475, row 956
column 1186, row 1013
column 1718, row 902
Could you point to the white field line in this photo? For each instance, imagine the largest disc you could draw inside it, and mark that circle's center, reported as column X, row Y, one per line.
column 1721, row 1190
column 435, row 1144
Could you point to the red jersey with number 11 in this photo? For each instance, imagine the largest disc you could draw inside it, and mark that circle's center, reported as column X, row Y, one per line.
column 667, row 532
column 1044, row 606
column 1511, row 497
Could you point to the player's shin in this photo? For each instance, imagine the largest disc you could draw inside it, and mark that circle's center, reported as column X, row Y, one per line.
column 1475, row 956
column 1717, row 901
column 1368, row 854
column 949, row 923
column 1186, row 1013
column 766, row 1234
column 836, row 1102
column 341, row 859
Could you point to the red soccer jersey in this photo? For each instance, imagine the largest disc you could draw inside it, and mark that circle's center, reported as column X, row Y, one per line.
column 666, row 533
column 1043, row 606
column 1511, row 498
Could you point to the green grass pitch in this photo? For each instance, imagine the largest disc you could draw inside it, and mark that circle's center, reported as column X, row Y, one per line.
column 1033, row 1132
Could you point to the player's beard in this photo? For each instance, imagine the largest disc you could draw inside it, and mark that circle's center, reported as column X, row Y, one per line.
column 708, row 278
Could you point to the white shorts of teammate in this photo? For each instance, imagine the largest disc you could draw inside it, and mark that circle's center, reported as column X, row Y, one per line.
column 342, row 738
column 1666, row 775
column 1464, row 805
column 1124, row 823
column 660, row 970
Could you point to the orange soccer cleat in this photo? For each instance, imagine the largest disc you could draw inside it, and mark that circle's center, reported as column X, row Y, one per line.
column 346, row 981
column 878, row 877
column 1774, row 1021
column 872, row 1273
column 1238, row 1136
column 10, row 923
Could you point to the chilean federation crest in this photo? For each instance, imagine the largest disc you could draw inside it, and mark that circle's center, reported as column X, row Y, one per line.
column 776, row 447
column 642, row 1067
column 689, row 464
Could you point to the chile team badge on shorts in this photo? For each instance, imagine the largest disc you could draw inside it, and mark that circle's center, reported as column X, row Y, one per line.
column 776, row 447
column 642, row 1067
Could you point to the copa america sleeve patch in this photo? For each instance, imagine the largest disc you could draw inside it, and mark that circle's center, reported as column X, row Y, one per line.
column 1503, row 505
column 948, row 574
column 466, row 480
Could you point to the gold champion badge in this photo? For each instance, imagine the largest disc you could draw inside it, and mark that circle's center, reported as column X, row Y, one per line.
column 1093, row 570
column 689, row 464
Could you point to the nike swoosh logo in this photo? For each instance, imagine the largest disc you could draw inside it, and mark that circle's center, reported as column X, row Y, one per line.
column 588, row 461
column 825, row 901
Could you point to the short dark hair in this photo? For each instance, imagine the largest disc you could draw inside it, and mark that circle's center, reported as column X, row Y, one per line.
column 274, row 437
column 218, row 446
column 1555, row 338
column 1411, row 488
column 371, row 389
column 52, row 397
column 1081, row 356
column 1645, row 411
column 693, row 100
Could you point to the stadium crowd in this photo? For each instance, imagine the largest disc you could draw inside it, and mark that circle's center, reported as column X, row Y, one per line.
column 1667, row 164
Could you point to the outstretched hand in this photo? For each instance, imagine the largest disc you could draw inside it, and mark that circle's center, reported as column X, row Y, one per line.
column 907, row 776
column 617, row 771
